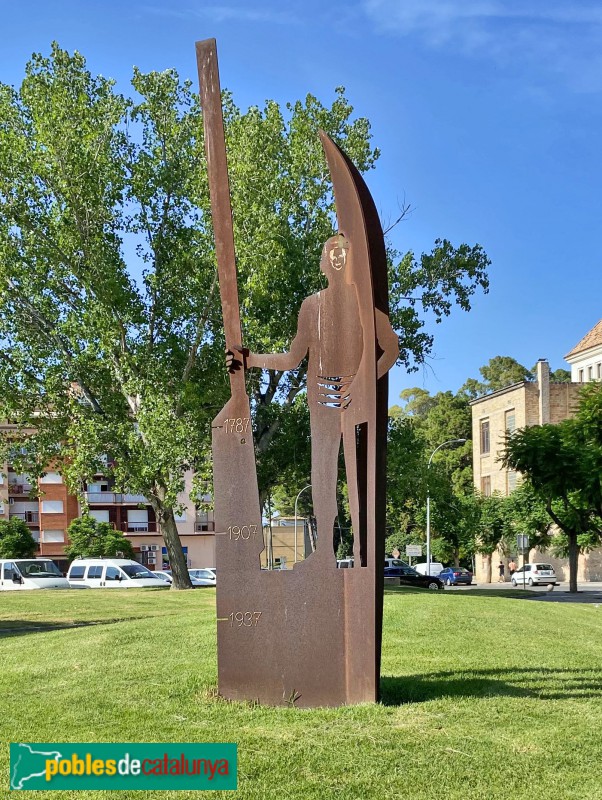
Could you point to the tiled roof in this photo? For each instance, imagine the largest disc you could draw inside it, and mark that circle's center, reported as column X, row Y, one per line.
column 591, row 339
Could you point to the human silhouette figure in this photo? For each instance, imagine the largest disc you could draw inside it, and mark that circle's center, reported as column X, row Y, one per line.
column 329, row 330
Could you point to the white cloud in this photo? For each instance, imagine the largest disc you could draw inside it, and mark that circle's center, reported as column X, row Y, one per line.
column 227, row 13
column 559, row 37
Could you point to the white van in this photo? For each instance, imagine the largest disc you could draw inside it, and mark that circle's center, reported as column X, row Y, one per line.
column 112, row 573
column 30, row 573
column 436, row 568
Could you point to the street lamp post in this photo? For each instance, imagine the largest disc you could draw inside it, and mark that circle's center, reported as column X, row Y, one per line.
column 428, row 502
column 296, row 501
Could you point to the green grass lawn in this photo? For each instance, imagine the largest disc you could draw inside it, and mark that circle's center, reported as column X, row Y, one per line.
column 483, row 696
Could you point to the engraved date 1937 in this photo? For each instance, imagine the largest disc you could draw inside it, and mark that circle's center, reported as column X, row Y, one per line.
column 244, row 619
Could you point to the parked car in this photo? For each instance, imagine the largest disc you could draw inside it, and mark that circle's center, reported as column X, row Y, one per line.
column 453, row 576
column 409, row 577
column 164, row 575
column 534, row 574
column 202, row 577
column 344, row 563
column 112, row 573
column 30, row 573
column 435, row 569
column 395, row 562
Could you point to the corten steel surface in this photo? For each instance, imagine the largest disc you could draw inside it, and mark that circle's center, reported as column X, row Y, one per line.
column 310, row 635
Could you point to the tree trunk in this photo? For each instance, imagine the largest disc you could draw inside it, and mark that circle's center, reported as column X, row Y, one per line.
column 456, row 558
column 573, row 561
column 171, row 537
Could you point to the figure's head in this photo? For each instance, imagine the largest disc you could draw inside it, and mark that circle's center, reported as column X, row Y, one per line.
column 335, row 255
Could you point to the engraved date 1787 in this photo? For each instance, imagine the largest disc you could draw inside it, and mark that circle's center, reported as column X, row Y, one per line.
column 237, row 424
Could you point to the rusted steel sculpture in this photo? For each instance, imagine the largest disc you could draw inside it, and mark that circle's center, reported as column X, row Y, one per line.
column 310, row 635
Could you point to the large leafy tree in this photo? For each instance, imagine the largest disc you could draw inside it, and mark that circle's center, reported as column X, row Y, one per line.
column 16, row 540
column 499, row 372
column 103, row 352
column 417, row 429
column 110, row 331
column 563, row 465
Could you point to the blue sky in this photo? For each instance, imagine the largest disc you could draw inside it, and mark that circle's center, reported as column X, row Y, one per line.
column 488, row 114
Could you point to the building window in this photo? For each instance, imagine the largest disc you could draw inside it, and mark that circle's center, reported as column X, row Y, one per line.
column 510, row 422
column 599, row 371
column 100, row 514
column 485, row 437
column 138, row 520
column 580, row 376
column 52, row 506
column 51, row 477
column 486, row 486
column 511, row 478
column 96, row 488
column 590, row 373
column 53, row 536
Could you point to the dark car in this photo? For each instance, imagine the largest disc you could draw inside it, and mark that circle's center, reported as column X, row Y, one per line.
column 409, row 577
column 453, row 576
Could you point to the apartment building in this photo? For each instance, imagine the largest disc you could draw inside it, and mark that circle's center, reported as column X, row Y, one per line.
column 48, row 508
column 133, row 515
column 47, row 516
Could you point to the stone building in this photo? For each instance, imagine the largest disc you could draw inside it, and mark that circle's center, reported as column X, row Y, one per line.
column 493, row 416
column 586, row 357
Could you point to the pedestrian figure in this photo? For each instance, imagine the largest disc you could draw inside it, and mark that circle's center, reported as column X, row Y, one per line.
column 502, row 578
column 512, row 567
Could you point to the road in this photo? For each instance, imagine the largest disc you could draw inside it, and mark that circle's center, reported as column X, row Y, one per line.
column 589, row 592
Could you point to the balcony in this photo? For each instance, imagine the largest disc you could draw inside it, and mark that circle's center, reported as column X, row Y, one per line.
column 30, row 517
column 139, row 527
column 204, row 527
column 114, row 498
column 19, row 488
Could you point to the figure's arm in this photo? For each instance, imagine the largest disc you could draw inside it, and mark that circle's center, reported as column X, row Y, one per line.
column 292, row 359
column 388, row 342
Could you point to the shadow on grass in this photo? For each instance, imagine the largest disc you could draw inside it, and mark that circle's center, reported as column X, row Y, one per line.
column 19, row 627
column 533, row 682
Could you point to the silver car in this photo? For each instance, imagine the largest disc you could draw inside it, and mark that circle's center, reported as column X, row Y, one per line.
column 202, row 577
column 534, row 574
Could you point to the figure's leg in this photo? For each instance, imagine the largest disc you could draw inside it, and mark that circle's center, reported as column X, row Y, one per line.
column 355, row 468
column 325, row 446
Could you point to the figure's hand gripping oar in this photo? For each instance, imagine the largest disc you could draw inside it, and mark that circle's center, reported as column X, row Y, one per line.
column 219, row 193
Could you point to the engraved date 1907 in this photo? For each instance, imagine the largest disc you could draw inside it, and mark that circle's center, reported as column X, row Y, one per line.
column 244, row 532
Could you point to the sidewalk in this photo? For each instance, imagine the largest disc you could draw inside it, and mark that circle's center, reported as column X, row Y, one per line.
column 588, row 592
